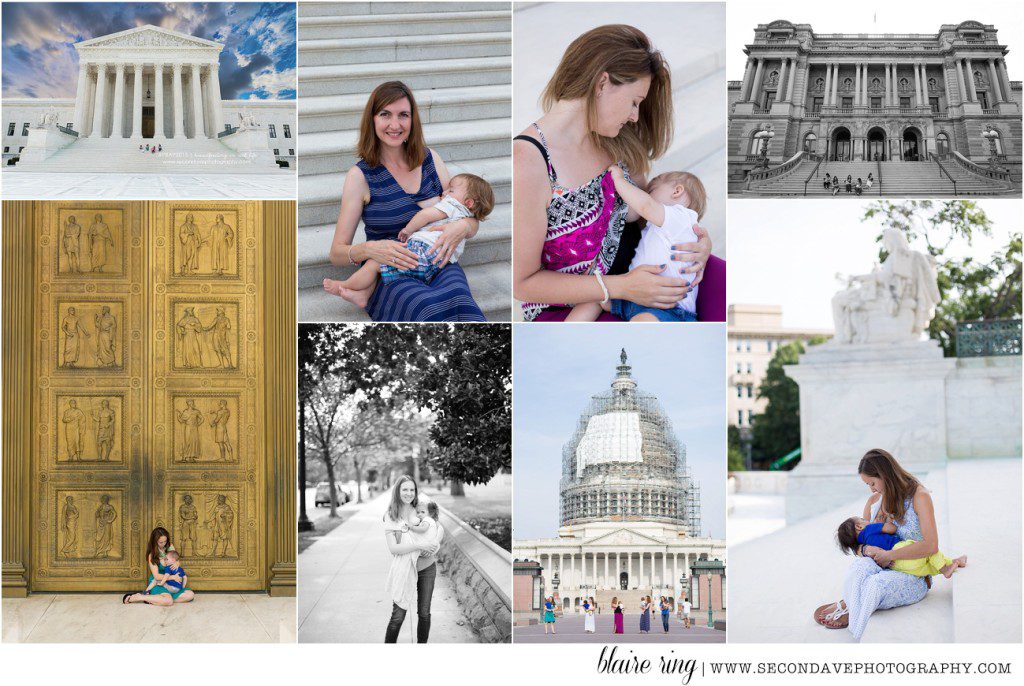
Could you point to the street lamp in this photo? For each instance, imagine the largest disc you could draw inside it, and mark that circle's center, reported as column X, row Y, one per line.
column 554, row 594
column 710, row 569
column 763, row 137
column 991, row 135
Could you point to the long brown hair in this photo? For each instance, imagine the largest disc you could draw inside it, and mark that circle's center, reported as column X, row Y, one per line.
column 900, row 485
column 626, row 54
column 153, row 548
column 395, row 507
column 369, row 145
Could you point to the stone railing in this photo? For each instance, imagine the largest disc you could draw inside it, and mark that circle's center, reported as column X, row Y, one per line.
column 975, row 168
column 783, row 168
column 480, row 572
column 988, row 338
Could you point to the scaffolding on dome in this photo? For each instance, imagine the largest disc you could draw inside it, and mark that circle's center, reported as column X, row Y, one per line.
column 624, row 463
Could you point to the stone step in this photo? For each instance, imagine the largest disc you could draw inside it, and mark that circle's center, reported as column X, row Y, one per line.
column 986, row 594
column 489, row 283
column 417, row 75
column 340, row 112
column 328, row 152
column 325, row 9
column 492, row 243
column 903, row 178
column 403, row 24
column 334, row 51
column 701, row 135
column 321, row 193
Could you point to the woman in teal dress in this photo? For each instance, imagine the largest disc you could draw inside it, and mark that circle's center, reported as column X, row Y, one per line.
column 549, row 614
column 156, row 550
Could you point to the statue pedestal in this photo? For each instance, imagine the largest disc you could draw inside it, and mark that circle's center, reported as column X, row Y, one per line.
column 43, row 142
column 854, row 397
column 253, row 144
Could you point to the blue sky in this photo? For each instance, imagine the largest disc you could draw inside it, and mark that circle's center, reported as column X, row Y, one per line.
column 557, row 368
column 258, row 60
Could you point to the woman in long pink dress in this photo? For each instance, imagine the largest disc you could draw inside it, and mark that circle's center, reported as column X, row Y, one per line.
column 617, row 610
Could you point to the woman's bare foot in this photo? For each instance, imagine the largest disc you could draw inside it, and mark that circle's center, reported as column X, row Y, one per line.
column 357, row 298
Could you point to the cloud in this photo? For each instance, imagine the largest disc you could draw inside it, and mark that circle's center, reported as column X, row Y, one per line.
column 40, row 60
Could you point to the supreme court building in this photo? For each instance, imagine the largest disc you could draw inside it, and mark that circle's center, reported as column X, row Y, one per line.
column 926, row 114
column 148, row 86
column 630, row 513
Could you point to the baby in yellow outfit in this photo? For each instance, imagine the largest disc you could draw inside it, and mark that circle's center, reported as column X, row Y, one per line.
column 857, row 531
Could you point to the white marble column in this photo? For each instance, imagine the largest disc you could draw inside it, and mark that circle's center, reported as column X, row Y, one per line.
column 756, row 85
column 835, row 85
column 178, row 130
column 917, row 83
column 216, row 101
column 90, row 103
column 961, row 87
column 641, row 577
column 198, row 129
column 792, row 82
column 828, row 84
column 994, row 78
column 606, row 584
column 137, row 102
column 888, row 85
column 1004, row 80
column 158, row 108
column 780, row 95
column 664, row 568
column 81, row 97
column 972, row 89
column 101, row 101
column 117, row 126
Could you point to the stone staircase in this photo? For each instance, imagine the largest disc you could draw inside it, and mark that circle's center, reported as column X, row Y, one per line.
column 204, row 156
column 904, row 179
column 456, row 56
column 979, row 604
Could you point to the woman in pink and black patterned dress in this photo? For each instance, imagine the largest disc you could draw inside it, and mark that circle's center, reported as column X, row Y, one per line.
column 608, row 102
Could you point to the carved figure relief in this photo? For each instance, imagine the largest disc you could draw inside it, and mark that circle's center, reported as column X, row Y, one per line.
column 205, row 336
column 933, row 85
column 209, row 528
column 205, row 243
column 819, row 85
column 69, row 528
column 92, row 250
column 89, row 335
column 904, row 84
column 89, row 426
column 847, row 84
column 206, row 429
column 979, row 79
column 773, row 79
column 88, row 524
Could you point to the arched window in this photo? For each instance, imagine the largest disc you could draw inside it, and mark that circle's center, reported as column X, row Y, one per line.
column 810, row 142
column 942, row 144
column 755, row 145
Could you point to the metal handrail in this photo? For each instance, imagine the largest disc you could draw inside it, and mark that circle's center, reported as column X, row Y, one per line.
column 878, row 163
column 68, row 130
column 814, row 172
column 943, row 170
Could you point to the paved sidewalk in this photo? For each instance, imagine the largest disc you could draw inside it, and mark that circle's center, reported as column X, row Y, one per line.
column 341, row 588
column 570, row 630
column 101, row 618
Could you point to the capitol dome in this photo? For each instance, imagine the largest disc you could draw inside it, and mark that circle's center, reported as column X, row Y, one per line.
column 625, row 464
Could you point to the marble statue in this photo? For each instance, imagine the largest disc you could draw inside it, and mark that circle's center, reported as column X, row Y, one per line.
column 894, row 303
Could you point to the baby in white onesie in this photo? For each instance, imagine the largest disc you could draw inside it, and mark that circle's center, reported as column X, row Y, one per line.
column 672, row 205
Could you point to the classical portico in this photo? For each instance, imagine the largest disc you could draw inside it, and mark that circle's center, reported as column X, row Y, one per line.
column 148, row 83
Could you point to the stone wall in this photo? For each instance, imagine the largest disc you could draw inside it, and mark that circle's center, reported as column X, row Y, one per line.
column 983, row 407
column 481, row 573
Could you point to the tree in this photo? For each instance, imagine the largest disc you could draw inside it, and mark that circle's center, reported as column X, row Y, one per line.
column 970, row 289
column 777, row 430
column 737, row 463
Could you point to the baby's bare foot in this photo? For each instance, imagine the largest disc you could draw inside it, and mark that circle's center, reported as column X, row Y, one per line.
column 949, row 569
column 334, row 287
column 961, row 561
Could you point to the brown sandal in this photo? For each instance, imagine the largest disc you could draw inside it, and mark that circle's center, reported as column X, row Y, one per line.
column 823, row 616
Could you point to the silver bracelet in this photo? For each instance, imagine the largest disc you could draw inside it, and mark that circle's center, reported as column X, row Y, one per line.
column 604, row 289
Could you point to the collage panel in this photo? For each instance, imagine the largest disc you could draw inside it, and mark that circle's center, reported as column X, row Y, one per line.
column 403, row 103
column 619, row 122
column 147, row 102
column 405, row 475
column 824, row 104
column 620, row 501
column 138, row 466
column 875, row 414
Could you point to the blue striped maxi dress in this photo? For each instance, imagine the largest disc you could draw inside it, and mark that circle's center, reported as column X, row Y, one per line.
column 447, row 297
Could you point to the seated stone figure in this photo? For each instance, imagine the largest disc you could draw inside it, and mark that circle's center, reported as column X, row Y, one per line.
column 894, row 303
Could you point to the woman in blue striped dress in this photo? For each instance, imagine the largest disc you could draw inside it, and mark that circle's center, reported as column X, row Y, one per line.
column 397, row 176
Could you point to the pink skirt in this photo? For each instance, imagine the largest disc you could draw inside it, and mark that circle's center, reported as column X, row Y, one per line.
column 618, row 624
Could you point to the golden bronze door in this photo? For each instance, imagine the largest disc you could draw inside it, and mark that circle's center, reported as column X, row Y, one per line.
column 149, row 398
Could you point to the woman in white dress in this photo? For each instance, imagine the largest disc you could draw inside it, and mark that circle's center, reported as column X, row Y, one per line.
column 588, row 616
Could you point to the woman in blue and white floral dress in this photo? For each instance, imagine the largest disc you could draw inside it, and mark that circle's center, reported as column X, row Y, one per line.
column 869, row 584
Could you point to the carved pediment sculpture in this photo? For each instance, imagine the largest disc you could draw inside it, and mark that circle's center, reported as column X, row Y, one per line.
column 147, row 37
column 894, row 303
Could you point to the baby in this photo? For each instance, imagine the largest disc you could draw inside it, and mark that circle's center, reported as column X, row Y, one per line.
column 672, row 205
column 467, row 195
column 857, row 531
column 428, row 526
column 174, row 578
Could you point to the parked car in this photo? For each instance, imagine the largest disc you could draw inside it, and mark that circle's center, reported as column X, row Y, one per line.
column 323, row 494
